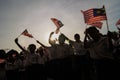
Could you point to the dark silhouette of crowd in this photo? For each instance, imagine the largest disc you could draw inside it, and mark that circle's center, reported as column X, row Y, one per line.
column 95, row 58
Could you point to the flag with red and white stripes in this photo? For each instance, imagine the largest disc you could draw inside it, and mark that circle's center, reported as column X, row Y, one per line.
column 25, row 33
column 94, row 15
column 57, row 22
column 97, row 24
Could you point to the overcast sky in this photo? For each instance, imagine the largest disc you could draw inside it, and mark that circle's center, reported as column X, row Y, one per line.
column 17, row 15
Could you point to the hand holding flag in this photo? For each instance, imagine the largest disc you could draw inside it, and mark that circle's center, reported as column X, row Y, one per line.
column 58, row 24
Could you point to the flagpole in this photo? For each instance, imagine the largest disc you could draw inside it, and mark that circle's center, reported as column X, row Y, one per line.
column 106, row 19
column 39, row 42
column 19, row 35
column 86, row 26
column 107, row 24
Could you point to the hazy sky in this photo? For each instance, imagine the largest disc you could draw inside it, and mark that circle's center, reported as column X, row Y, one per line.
column 17, row 15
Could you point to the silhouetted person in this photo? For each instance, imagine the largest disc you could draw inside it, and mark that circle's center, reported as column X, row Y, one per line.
column 42, row 59
column 50, row 55
column 13, row 63
column 2, row 64
column 63, row 63
column 22, row 69
column 100, row 49
column 31, row 60
column 80, row 58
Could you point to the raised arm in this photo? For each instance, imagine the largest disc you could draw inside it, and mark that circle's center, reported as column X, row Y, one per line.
column 16, row 41
column 86, row 39
column 40, row 43
column 70, row 41
column 51, row 41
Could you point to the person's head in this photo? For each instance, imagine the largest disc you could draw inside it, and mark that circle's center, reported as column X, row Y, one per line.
column 93, row 33
column 40, row 51
column 77, row 37
column 32, row 48
column 13, row 54
column 114, row 35
column 2, row 54
column 61, row 39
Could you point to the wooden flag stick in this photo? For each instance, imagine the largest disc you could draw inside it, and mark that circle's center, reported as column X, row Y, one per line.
column 39, row 42
column 107, row 24
column 106, row 19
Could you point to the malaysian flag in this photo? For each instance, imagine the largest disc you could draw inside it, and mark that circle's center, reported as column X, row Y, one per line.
column 94, row 15
column 97, row 24
column 25, row 33
column 57, row 22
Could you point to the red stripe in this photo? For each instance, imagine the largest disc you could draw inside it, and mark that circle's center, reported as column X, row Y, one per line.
column 90, row 18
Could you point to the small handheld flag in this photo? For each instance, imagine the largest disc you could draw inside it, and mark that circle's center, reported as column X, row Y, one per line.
column 57, row 22
column 25, row 33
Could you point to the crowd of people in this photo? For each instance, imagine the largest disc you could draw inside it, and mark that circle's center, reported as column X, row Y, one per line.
column 95, row 58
